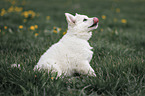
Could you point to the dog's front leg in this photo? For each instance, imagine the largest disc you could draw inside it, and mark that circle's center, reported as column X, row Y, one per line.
column 85, row 68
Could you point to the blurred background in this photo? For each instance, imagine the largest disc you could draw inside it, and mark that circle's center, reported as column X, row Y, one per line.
column 49, row 13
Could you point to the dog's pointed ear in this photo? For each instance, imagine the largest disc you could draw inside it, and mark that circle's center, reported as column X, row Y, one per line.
column 70, row 18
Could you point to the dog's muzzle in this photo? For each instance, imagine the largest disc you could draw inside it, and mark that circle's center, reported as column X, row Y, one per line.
column 95, row 20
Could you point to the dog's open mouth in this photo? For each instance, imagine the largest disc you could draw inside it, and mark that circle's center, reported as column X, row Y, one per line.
column 95, row 20
column 94, row 25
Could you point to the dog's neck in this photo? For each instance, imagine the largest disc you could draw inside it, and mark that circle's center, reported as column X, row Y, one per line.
column 80, row 34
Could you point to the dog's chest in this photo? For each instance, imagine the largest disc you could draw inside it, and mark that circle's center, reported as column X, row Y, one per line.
column 78, row 49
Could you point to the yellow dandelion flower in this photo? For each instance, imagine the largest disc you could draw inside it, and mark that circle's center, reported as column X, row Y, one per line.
column 54, row 27
column 55, row 31
column 124, row 21
column 47, row 17
column 36, row 34
column 36, row 26
column 115, row 19
column 18, row 9
column 20, row 26
column 5, row 27
column 32, row 13
column 32, row 27
column 101, row 30
column 52, row 78
column 64, row 33
column 59, row 29
column 11, row 9
column 25, row 14
column 13, row 2
column 3, row 12
column 24, row 20
column 103, row 17
column 117, row 10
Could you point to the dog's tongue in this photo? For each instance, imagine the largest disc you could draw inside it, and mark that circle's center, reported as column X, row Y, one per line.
column 96, row 20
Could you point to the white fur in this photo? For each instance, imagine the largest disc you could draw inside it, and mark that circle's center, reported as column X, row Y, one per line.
column 72, row 53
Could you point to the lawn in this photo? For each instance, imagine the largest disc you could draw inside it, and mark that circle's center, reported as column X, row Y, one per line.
column 29, row 27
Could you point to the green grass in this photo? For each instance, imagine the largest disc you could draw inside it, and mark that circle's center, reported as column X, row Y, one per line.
column 119, row 49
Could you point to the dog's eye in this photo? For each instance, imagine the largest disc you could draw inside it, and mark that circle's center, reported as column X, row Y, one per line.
column 85, row 20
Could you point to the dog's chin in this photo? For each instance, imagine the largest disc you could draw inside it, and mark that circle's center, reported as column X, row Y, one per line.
column 93, row 27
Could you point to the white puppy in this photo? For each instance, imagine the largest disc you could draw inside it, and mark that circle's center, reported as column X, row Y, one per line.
column 72, row 53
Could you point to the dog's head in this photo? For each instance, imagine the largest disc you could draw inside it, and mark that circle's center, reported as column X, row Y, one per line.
column 81, row 23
